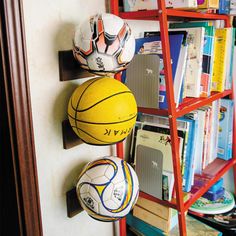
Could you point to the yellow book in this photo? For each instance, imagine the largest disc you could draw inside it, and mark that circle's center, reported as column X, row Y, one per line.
column 206, row 4
column 220, row 58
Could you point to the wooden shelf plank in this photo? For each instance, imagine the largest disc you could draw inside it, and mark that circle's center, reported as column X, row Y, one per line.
column 69, row 68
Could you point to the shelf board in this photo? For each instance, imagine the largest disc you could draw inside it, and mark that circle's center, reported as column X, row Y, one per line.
column 188, row 105
column 153, row 111
column 191, row 104
column 219, row 166
column 196, row 15
column 217, row 169
column 154, row 15
column 140, row 15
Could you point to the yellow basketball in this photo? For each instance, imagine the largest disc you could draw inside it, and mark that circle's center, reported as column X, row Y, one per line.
column 102, row 111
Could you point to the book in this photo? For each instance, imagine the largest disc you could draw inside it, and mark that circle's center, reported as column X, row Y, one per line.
column 205, row 154
column 214, row 131
column 224, row 150
column 200, row 142
column 181, row 66
column 195, row 42
column 208, row 4
column 137, row 5
column 207, row 53
column 201, row 180
column 180, row 75
column 181, row 3
column 152, row 45
column 221, row 205
column 142, row 78
column 188, row 167
column 220, row 58
column 230, row 58
column 149, row 165
column 163, row 122
column 161, row 142
column 167, row 185
column 224, row 7
column 210, row 195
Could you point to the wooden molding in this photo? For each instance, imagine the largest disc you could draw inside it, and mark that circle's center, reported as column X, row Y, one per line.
column 16, row 85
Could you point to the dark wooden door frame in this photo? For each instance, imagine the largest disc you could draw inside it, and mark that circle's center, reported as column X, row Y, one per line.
column 19, row 116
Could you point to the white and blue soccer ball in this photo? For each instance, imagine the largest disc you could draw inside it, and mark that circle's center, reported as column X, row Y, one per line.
column 108, row 188
column 104, row 44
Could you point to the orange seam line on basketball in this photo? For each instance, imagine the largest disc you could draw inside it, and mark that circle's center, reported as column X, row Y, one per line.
column 113, row 95
column 101, row 123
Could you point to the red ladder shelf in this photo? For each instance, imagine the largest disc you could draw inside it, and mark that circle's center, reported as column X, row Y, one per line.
column 163, row 15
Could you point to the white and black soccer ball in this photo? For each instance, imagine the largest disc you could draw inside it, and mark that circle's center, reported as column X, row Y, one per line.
column 108, row 188
column 104, row 44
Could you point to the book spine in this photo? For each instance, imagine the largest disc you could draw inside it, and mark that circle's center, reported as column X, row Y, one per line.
column 219, row 67
column 225, row 130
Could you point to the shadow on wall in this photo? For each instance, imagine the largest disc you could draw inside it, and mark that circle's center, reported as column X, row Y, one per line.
column 64, row 37
column 59, row 112
column 72, row 177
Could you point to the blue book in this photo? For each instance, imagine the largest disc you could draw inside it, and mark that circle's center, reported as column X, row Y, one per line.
column 188, row 168
column 224, row 7
column 224, row 150
column 152, row 45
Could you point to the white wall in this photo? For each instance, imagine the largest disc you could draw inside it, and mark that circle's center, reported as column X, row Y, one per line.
column 49, row 27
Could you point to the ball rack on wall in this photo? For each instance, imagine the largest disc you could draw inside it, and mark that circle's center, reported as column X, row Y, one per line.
column 69, row 69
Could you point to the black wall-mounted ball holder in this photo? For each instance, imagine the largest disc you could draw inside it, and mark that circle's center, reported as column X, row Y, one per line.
column 69, row 69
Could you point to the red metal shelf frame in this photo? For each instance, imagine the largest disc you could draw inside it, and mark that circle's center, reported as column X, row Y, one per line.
column 163, row 15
